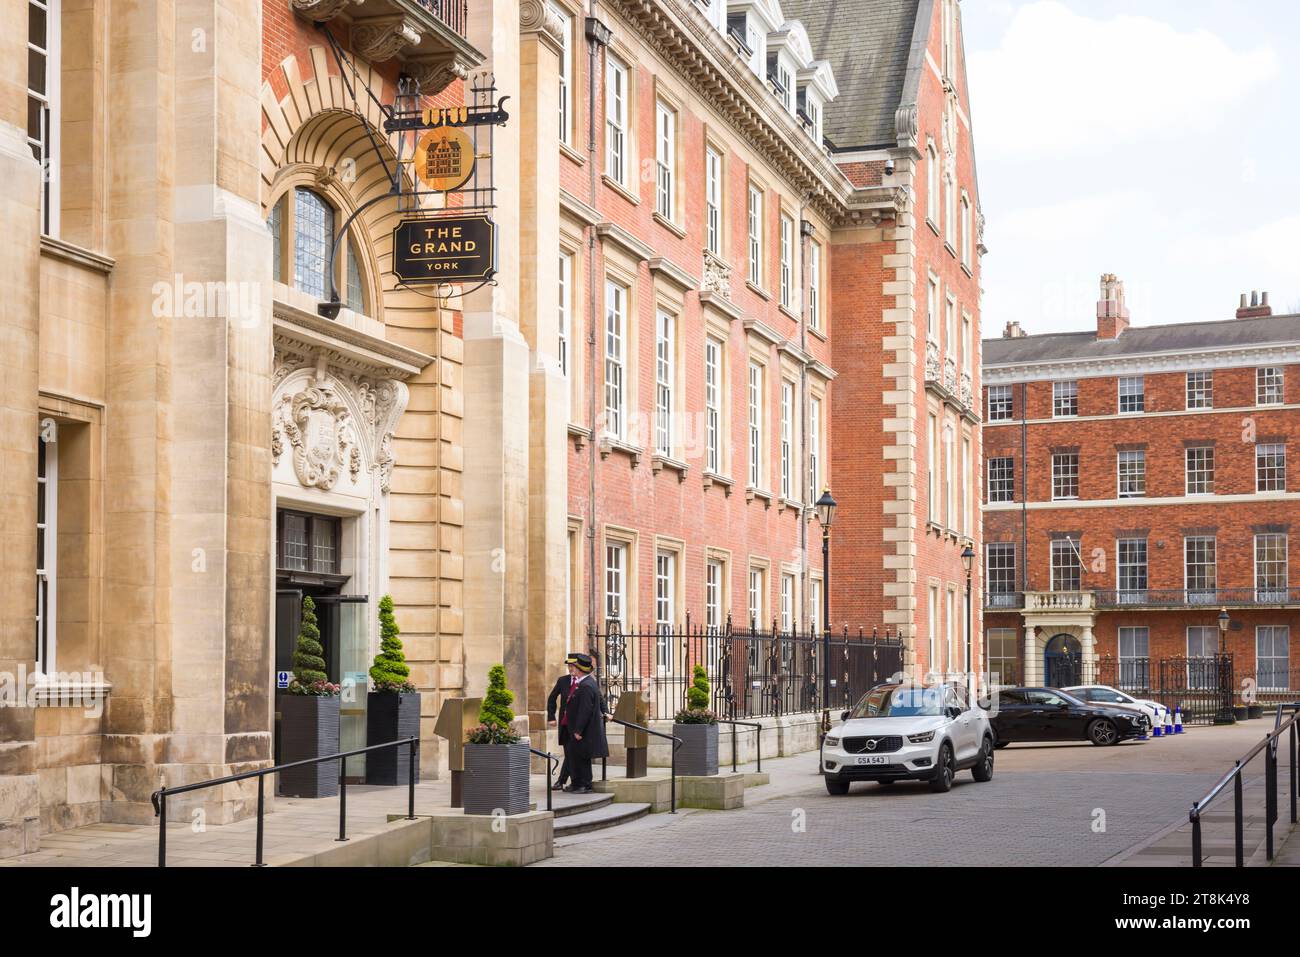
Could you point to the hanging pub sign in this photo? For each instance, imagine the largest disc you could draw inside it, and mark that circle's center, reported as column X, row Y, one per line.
column 446, row 249
column 444, row 158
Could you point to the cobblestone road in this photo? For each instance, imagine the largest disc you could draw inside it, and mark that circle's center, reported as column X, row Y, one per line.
column 1043, row 807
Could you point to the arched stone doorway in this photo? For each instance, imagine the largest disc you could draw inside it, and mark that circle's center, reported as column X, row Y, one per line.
column 1062, row 661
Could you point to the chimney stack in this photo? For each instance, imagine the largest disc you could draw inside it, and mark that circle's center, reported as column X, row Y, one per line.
column 1013, row 331
column 1112, row 314
column 1258, row 308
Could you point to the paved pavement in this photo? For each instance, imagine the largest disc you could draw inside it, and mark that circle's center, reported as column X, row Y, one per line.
column 1048, row 804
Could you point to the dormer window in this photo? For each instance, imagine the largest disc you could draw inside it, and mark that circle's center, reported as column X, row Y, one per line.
column 784, row 80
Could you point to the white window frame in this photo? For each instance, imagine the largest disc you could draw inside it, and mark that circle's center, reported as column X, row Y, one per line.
column 756, row 593
column 932, row 184
column 754, row 228
column 565, row 316
column 1207, row 584
column 1273, row 633
column 617, row 555
column 997, row 571
column 1133, row 642
column 814, row 285
column 713, row 200
column 47, row 575
column 1131, row 575
column 1270, row 385
column 1272, row 583
column 1270, row 467
column 935, row 624
column 1131, row 467
column 1001, row 403
column 1066, row 547
column 787, row 437
column 787, row 260
column 965, row 230
column 665, row 160
column 815, row 483
column 566, row 74
column 616, row 311
column 1133, row 388
column 1001, row 479
column 713, row 394
column 617, row 146
column 45, row 144
column 665, row 380
column 1200, row 389
column 787, row 603
column 755, row 420
column 1065, row 472
column 932, row 468
column 1065, row 399
column 665, row 609
column 1199, row 469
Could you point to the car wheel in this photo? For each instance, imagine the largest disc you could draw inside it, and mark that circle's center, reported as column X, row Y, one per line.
column 836, row 786
column 983, row 770
column 1102, row 732
column 941, row 781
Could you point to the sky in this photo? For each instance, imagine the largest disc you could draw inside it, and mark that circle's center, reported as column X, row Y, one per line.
column 1155, row 139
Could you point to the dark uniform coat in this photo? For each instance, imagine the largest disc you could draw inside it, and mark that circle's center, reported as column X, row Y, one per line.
column 586, row 717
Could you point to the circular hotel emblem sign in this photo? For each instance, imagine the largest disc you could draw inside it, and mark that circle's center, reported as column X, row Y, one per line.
column 444, row 158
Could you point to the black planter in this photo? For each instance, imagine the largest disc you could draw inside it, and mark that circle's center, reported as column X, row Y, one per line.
column 309, row 728
column 391, row 717
column 698, row 754
column 496, row 778
column 1255, row 710
column 1241, row 714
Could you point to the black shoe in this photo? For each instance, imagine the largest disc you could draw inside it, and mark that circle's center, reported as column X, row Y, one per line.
column 568, row 787
column 582, row 790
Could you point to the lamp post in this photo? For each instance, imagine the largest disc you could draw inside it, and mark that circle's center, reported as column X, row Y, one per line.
column 826, row 514
column 1225, row 715
column 967, row 560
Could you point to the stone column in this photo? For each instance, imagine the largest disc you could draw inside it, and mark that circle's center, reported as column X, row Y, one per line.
column 221, row 538
column 1089, row 655
column 19, row 312
column 1033, row 659
column 540, row 48
column 497, row 401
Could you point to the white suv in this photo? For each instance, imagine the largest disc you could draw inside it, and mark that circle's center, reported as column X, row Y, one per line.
column 909, row 732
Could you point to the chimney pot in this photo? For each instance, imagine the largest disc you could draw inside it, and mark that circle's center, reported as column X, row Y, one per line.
column 1257, row 308
column 1112, row 314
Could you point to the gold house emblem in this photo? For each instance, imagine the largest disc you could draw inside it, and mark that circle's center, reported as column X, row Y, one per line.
column 444, row 158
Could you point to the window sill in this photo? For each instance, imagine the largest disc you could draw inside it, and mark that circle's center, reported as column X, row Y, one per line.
column 659, row 462
column 668, row 224
column 785, row 502
column 571, row 153
column 69, row 694
column 787, row 312
column 713, row 478
column 951, row 249
column 580, row 434
column 619, row 188
column 758, row 290
column 816, row 331
column 609, row 443
column 932, row 224
column 752, row 492
column 965, row 267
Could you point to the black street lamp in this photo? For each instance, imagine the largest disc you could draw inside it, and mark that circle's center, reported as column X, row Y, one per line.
column 968, row 559
column 1225, row 715
column 826, row 514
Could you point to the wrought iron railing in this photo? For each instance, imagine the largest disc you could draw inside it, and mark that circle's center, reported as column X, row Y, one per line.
column 1004, row 600
column 751, row 672
column 454, row 13
column 1177, row 597
column 1201, row 687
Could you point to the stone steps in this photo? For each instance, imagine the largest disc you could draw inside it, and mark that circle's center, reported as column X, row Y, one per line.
column 608, row 815
column 567, row 805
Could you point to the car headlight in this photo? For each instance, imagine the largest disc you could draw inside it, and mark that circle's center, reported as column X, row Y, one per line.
column 921, row 738
column 831, row 741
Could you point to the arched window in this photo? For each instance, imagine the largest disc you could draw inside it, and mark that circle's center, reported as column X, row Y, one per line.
column 302, row 225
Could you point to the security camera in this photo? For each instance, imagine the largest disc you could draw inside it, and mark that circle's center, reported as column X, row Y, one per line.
column 889, row 167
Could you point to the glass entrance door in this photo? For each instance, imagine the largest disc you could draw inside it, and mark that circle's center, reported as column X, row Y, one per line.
column 350, row 667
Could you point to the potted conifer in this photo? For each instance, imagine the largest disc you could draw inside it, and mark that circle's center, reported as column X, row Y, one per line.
column 697, row 727
column 496, row 759
column 392, row 708
column 309, row 716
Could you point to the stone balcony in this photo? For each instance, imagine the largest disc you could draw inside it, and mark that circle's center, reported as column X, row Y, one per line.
column 427, row 36
column 1058, row 601
column 943, row 379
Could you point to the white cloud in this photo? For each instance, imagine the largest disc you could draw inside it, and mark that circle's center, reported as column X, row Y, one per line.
column 1254, row 254
column 1062, row 83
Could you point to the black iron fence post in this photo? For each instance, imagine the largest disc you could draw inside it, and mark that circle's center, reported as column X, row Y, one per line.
column 410, row 781
column 1195, row 816
column 1239, row 837
column 261, row 809
column 343, row 805
column 1270, row 796
column 162, row 827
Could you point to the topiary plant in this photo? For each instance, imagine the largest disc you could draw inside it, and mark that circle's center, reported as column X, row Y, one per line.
column 496, row 703
column 390, row 672
column 309, row 657
column 697, row 695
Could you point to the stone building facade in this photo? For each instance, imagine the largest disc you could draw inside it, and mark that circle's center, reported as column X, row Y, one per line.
column 1136, row 486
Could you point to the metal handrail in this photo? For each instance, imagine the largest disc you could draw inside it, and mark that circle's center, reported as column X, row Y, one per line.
column 758, row 739
column 159, row 797
column 1270, row 788
column 677, row 743
column 551, row 761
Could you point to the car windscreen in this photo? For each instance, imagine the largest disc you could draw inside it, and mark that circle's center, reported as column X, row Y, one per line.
column 899, row 701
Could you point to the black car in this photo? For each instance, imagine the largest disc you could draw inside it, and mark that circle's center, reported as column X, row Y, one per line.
column 1046, row 714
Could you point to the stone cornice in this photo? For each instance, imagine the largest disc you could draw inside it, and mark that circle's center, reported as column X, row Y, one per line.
column 67, row 252
column 356, row 348
column 674, row 273
column 578, row 209
column 684, row 37
column 723, row 306
column 763, row 331
column 820, row 368
column 537, row 17
column 616, row 234
column 1151, row 362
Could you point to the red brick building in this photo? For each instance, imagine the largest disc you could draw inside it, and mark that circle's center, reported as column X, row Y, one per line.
column 758, row 240
column 1136, row 485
